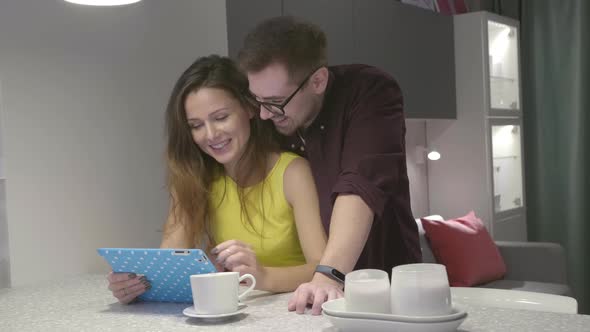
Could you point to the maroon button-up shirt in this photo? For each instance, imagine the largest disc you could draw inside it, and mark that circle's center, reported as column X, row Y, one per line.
column 356, row 145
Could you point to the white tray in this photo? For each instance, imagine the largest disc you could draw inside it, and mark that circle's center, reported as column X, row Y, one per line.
column 337, row 308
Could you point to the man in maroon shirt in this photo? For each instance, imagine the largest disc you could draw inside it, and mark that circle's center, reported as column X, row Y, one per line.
column 348, row 121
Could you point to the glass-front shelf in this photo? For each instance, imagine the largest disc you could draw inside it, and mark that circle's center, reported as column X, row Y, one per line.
column 507, row 163
column 503, row 61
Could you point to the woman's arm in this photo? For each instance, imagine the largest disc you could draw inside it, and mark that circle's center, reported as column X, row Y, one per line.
column 175, row 235
column 300, row 192
column 126, row 287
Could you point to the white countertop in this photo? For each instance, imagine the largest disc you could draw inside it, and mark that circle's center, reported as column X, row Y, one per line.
column 84, row 304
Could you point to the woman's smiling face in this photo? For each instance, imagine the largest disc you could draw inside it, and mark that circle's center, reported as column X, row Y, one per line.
column 220, row 126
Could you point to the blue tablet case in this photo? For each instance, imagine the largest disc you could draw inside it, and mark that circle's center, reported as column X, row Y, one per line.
column 167, row 270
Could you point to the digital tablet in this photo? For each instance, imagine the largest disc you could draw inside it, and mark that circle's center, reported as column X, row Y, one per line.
column 167, row 270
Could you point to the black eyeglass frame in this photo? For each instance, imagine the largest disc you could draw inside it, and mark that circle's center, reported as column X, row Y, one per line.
column 269, row 106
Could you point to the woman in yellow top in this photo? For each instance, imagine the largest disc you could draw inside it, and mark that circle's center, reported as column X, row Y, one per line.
column 233, row 193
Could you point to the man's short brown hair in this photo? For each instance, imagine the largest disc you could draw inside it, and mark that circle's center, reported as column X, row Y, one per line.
column 299, row 45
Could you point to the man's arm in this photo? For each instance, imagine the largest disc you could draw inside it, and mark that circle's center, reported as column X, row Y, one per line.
column 350, row 226
column 371, row 165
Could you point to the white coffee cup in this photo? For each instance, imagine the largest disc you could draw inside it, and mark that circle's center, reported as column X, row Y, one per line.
column 367, row 291
column 420, row 290
column 218, row 293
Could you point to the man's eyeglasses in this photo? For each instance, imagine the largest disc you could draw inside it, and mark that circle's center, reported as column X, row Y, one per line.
column 279, row 109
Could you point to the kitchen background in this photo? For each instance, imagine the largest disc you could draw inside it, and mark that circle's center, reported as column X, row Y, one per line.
column 82, row 95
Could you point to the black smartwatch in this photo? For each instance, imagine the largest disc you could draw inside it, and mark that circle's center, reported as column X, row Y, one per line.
column 330, row 272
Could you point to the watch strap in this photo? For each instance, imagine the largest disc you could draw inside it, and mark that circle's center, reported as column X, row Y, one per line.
column 330, row 272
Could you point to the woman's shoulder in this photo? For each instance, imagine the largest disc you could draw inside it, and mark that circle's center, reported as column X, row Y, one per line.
column 288, row 165
column 289, row 160
column 297, row 176
column 287, row 157
column 293, row 164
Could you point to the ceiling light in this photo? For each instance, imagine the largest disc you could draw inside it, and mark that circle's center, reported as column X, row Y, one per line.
column 103, row 2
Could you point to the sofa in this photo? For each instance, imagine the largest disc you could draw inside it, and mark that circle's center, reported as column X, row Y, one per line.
column 530, row 266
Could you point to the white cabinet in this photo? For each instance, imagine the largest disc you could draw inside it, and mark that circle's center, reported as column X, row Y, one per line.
column 506, row 164
column 482, row 161
column 503, row 67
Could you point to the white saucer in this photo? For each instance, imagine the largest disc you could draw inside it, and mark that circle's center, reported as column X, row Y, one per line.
column 377, row 325
column 337, row 308
column 190, row 311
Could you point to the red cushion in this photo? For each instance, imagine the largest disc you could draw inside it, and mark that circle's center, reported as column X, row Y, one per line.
column 467, row 250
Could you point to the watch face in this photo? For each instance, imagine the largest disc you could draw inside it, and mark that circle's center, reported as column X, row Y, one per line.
column 330, row 272
column 338, row 274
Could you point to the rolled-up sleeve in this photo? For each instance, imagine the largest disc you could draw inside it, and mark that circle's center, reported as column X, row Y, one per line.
column 373, row 154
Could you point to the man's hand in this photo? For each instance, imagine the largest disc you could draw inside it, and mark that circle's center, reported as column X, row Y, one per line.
column 319, row 290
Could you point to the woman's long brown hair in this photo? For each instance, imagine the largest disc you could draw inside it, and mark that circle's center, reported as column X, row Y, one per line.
column 190, row 171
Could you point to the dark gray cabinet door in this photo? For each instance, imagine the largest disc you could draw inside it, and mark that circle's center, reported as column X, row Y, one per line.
column 334, row 17
column 243, row 15
column 416, row 47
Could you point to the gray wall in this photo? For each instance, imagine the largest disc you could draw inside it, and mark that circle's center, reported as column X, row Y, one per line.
column 4, row 252
column 84, row 91
column 417, row 167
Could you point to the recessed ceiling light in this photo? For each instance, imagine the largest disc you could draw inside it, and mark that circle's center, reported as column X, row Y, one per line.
column 103, row 2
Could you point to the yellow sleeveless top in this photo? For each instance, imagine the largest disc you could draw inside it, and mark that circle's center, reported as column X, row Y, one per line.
column 273, row 238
